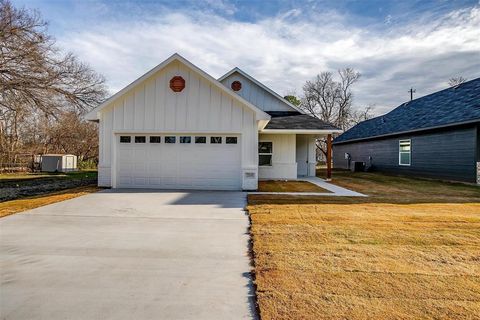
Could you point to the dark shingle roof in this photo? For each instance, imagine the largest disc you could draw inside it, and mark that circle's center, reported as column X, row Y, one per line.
column 447, row 107
column 293, row 120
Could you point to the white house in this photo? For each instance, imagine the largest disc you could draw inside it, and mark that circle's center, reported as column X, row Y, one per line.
column 176, row 127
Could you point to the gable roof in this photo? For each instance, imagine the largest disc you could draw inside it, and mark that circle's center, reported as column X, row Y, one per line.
column 261, row 85
column 285, row 120
column 452, row 106
column 93, row 114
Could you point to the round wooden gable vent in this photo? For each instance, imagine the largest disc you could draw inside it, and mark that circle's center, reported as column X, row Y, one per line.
column 177, row 84
column 236, row 85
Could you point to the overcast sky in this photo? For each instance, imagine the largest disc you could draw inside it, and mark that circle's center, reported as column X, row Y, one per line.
column 394, row 45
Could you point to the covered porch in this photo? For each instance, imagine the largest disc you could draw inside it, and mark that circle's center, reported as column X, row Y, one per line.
column 285, row 155
column 287, row 145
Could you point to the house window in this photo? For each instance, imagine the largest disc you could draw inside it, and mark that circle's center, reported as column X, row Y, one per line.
column 265, row 151
column 140, row 139
column 200, row 139
column 155, row 139
column 404, row 152
column 231, row 140
column 185, row 139
column 215, row 140
column 170, row 139
column 125, row 139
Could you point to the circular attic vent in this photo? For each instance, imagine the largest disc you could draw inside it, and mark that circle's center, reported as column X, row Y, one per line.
column 177, row 84
column 236, row 85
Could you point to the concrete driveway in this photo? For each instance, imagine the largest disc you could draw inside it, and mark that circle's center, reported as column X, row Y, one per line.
column 128, row 254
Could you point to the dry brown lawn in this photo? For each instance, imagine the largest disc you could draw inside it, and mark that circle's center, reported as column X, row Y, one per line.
column 289, row 186
column 409, row 251
column 23, row 204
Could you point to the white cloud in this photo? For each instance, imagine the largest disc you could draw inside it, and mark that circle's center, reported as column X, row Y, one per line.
column 285, row 51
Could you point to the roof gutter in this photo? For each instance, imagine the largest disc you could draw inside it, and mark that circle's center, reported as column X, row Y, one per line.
column 301, row 131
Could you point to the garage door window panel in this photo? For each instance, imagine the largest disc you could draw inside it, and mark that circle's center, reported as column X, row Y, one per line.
column 140, row 139
column 265, row 153
column 185, row 139
column 170, row 139
column 215, row 140
column 155, row 139
column 231, row 140
column 125, row 139
column 200, row 140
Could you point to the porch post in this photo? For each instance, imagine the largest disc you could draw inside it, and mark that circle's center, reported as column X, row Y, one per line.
column 329, row 157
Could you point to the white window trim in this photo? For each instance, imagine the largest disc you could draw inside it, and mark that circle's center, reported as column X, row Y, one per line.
column 266, row 154
column 400, row 152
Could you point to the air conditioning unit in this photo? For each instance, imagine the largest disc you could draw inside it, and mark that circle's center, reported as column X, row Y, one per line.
column 357, row 166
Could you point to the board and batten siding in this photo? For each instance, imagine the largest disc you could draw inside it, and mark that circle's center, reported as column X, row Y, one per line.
column 152, row 107
column 255, row 94
column 284, row 165
column 449, row 154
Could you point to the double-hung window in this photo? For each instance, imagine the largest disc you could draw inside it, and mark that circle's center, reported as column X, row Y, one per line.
column 265, row 152
column 404, row 152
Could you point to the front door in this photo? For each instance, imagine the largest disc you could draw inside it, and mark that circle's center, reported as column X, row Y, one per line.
column 302, row 155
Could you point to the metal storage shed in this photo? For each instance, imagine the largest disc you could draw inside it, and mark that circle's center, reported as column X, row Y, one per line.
column 59, row 162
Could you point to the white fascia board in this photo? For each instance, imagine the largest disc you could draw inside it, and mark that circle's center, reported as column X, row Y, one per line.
column 94, row 114
column 261, row 124
column 299, row 131
column 261, row 85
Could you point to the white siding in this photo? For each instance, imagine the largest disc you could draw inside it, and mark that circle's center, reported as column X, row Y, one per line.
column 284, row 164
column 152, row 107
column 256, row 94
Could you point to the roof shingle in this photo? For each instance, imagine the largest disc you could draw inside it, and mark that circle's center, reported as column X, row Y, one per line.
column 286, row 120
column 446, row 107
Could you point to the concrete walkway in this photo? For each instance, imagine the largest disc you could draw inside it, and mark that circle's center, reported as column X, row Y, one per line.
column 128, row 255
column 334, row 189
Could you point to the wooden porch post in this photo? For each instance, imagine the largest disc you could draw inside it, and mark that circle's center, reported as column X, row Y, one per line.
column 329, row 157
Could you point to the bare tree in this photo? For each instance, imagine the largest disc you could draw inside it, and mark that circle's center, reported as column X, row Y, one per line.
column 455, row 81
column 358, row 116
column 37, row 80
column 70, row 134
column 331, row 100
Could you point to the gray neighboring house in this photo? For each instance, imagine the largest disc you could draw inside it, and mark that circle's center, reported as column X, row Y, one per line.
column 435, row 136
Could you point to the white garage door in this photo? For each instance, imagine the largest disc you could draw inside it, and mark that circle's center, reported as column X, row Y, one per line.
column 179, row 162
